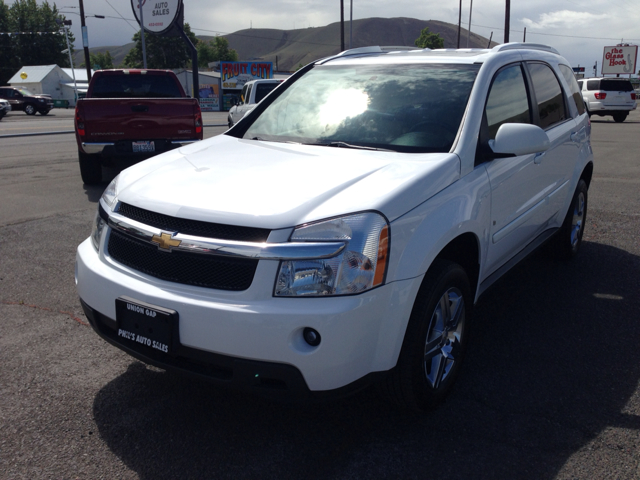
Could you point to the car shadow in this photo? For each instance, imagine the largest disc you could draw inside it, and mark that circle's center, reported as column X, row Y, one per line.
column 94, row 192
column 553, row 360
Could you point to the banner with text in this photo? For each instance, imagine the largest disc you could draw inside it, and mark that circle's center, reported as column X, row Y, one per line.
column 236, row 74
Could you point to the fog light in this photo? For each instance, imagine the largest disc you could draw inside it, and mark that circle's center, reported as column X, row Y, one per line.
column 311, row 336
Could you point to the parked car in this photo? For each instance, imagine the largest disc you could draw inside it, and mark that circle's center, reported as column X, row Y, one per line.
column 252, row 93
column 5, row 107
column 23, row 100
column 341, row 233
column 130, row 115
column 608, row 96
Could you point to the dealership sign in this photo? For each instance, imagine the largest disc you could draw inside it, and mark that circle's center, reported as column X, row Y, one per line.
column 619, row 60
column 157, row 16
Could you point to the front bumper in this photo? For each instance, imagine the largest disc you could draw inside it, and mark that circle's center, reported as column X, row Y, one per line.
column 252, row 340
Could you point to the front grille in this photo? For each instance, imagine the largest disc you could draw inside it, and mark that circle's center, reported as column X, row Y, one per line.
column 194, row 227
column 207, row 271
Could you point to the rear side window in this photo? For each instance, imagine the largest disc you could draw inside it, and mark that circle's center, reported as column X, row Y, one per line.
column 551, row 105
column 568, row 75
column 508, row 101
column 262, row 89
column 593, row 84
column 135, row 86
column 611, row 85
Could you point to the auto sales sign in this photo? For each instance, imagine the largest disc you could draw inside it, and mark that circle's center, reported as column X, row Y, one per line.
column 158, row 16
column 619, row 59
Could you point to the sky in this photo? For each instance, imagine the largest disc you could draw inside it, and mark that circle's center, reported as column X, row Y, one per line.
column 578, row 29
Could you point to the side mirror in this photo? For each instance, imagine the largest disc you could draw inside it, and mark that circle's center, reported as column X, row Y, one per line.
column 519, row 139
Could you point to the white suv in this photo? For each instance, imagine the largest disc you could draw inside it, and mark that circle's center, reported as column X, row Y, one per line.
column 341, row 234
column 608, row 96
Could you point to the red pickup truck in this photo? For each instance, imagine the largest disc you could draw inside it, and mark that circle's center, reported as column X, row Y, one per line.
column 130, row 115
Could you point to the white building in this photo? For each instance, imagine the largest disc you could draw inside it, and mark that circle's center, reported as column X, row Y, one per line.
column 52, row 80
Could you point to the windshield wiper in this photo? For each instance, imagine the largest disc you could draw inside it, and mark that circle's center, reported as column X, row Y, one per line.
column 349, row 145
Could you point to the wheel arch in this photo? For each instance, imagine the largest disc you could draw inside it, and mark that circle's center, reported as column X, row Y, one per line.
column 465, row 251
column 587, row 173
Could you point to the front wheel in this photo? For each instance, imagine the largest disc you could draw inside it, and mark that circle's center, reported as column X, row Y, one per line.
column 90, row 168
column 435, row 341
column 620, row 117
column 29, row 109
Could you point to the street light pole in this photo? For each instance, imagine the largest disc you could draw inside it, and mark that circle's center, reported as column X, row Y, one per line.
column 64, row 24
column 85, row 42
column 144, row 50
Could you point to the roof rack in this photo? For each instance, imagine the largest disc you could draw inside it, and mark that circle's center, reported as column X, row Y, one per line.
column 525, row 46
column 371, row 49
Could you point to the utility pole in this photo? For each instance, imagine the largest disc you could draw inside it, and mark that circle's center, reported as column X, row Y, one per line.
column 144, row 50
column 342, row 25
column 507, row 16
column 459, row 22
column 85, row 42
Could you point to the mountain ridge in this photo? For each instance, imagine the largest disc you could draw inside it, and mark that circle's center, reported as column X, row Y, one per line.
column 288, row 49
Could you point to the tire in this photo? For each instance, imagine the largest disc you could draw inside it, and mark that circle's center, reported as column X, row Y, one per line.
column 569, row 237
column 90, row 168
column 435, row 342
column 620, row 117
column 29, row 109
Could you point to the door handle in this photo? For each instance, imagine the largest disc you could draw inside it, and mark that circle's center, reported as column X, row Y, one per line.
column 140, row 108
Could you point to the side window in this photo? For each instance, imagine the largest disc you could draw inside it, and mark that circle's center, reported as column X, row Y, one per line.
column 247, row 95
column 568, row 75
column 508, row 101
column 580, row 82
column 551, row 105
column 593, row 84
column 243, row 94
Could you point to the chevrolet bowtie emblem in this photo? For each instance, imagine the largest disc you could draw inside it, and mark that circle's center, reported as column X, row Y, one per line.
column 165, row 242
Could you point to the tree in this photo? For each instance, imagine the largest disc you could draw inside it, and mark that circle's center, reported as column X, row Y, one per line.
column 217, row 50
column 102, row 60
column 162, row 51
column 36, row 38
column 429, row 40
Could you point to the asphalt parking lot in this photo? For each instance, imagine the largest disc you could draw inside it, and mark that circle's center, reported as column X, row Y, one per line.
column 549, row 390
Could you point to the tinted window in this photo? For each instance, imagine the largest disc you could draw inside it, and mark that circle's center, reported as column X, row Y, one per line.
column 507, row 102
column 409, row 108
column 551, row 106
column 593, row 84
column 247, row 96
column 135, row 86
column 262, row 89
column 611, row 85
column 568, row 75
column 243, row 94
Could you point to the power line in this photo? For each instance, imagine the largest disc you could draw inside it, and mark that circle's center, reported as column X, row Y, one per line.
column 556, row 35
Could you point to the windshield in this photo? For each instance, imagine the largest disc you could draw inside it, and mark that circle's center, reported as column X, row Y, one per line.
column 411, row 108
column 26, row 93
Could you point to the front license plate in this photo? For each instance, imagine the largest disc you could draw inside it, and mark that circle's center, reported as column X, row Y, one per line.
column 146, row 146
column 148, row 325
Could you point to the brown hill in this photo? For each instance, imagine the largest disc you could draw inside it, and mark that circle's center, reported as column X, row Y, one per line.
column 289, row 48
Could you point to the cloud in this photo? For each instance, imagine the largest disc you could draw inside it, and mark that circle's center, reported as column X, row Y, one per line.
column 565, row 19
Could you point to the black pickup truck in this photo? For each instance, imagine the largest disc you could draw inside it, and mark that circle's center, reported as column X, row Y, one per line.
column 29, row 103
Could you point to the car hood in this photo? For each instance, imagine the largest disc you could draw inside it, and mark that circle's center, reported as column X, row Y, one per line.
column 278, row 185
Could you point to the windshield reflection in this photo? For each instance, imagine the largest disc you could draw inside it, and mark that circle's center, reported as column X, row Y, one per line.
column 412, row 108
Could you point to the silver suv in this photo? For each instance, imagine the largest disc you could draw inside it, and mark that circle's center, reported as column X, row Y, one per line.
column 608, row 96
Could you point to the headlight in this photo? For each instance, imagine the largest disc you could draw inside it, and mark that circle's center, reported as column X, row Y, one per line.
column 96, row 230
column 360, row 266
column 111, row 192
